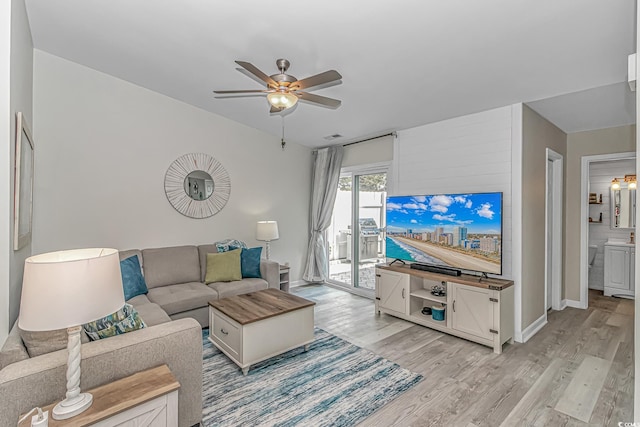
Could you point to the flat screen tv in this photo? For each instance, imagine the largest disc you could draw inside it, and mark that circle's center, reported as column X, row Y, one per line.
column 461, row 231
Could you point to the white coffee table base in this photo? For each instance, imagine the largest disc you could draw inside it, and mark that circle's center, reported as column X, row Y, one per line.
column 257, row 341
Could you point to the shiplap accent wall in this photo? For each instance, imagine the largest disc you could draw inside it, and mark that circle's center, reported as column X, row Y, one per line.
column 600, row 176
column 469, row 154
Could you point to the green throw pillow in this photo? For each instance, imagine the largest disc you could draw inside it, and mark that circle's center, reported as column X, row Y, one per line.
column 223, row 266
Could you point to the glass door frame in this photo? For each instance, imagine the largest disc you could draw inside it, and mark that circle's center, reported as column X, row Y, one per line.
column 354, row 171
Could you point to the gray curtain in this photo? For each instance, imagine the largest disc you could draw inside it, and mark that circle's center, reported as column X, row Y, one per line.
column 326, row 173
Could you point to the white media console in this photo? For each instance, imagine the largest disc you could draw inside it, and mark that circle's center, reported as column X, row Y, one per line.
column 477, row 309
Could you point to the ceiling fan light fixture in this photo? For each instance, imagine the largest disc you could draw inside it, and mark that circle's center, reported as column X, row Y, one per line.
column 282, row 100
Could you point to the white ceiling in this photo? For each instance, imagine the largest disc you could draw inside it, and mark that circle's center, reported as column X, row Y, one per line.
column 403, row 63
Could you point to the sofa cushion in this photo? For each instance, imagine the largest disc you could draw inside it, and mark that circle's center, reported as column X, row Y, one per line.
column 138, row 300
column 250, row 262
column 13, row 349
column 42, row 342
column 224, row 266
column 133, row 282
column 122, row 321
column 152, row 314
column 182, row 297
column 168, row 266
column 229, row 289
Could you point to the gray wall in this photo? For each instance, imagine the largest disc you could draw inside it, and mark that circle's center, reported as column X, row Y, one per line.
column 538, row 134
column 603, row 141
column 105, row 146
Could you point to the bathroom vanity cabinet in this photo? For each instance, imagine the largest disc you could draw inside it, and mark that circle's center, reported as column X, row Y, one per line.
column 476, row 309
column 619, row 269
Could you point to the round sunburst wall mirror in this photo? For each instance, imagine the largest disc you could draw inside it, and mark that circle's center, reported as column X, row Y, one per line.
column 197, row 185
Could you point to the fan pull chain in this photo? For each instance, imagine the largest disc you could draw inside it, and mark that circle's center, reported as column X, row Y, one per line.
column 282, row 141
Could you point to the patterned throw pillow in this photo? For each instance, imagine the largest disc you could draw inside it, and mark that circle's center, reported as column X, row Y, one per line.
column 122, row 321
column 229, row 245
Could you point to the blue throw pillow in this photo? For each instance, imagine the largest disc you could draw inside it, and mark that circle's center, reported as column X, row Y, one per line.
column 132, row 280
column 250, row 262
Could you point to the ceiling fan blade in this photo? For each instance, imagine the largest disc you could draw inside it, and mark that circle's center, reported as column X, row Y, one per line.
column 242, row 91
column 322, row 100
column 256, row 72
column 318, row 79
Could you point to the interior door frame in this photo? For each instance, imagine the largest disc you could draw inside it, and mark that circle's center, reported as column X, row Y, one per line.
column 584, row 222
column 555, row 200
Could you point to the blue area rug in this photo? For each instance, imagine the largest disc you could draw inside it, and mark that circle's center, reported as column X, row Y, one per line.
column 335, row 383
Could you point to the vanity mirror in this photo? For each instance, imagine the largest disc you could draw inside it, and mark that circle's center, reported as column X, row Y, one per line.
column 623, row 202
column 197, row 185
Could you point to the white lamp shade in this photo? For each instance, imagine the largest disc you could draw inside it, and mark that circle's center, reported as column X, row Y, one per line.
column 267, row 231
column 69, row 288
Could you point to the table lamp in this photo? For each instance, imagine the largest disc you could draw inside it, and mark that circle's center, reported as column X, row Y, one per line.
column 267, row 231
column 65, row 290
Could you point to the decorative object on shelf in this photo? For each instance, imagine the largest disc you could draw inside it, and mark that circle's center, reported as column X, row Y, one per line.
column 437, row 313
column 266, row 231
column 54, row 287
column 439, row 291
column 426, row 311
column 593, row 198
column 197, row 185
column 632, row 238
column 600, row 197
column 600, row 216
column 23, row 184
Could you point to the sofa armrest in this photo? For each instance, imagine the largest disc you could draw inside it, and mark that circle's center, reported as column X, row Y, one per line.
column 270, row 271
column 41, row 380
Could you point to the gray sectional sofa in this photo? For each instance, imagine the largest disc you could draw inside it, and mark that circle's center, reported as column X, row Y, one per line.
column 175, row 278
column 177, row 295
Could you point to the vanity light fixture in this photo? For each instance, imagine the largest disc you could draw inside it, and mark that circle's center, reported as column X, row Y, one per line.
column 615, row 184
column 631, row 180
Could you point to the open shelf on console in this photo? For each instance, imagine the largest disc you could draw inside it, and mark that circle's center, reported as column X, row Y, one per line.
column 427, row 295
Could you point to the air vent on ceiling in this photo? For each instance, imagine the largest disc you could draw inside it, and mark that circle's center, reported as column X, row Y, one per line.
column 332, row 137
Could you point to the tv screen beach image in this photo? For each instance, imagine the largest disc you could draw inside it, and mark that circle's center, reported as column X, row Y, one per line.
column 461, row 231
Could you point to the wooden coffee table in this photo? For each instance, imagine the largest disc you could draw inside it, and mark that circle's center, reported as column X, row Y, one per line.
column 253, row 327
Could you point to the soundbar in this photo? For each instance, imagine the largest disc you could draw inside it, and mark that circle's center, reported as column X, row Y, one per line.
column 436, row 269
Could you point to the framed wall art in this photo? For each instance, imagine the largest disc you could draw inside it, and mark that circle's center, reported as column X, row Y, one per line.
column 23, row 184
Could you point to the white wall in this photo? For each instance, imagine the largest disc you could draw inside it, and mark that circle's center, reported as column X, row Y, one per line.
column 600, row 176
column 5, row 162
column 104, row 145
column 468, row 154
column 17, row 65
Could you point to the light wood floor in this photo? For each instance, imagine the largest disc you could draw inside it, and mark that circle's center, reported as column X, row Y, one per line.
column 578, row 370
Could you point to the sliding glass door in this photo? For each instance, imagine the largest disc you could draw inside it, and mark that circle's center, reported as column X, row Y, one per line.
column 355, row 237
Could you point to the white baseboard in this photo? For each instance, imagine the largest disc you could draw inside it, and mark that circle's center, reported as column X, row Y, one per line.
column 563, row 304
column 532, row 329
column 574, row 304
column 300, row 282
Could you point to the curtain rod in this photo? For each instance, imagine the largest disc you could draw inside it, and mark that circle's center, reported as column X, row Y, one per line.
column 315, row 150
column 369, row 139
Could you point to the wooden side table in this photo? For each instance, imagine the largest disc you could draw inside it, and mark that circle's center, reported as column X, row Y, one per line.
column 147, row 398
column 284, row 278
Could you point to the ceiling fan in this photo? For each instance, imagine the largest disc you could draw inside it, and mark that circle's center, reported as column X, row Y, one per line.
column 284, row 90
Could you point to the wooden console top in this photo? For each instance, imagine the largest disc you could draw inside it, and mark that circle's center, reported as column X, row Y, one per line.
column 260, row 305
column 465, row 279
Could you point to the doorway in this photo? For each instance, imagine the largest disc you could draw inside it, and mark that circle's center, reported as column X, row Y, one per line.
column 553, row 227
column 594, row 226
column 355, row 237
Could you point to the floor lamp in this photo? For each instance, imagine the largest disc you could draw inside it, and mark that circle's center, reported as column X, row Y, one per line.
column 266, row 231
column 65, row 290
